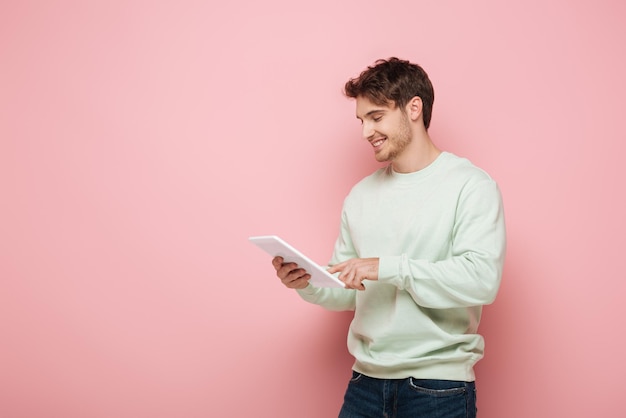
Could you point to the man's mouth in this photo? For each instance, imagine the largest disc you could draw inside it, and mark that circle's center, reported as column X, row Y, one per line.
column 377, row 143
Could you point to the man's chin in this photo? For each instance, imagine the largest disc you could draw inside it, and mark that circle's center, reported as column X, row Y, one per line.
column 381, row 157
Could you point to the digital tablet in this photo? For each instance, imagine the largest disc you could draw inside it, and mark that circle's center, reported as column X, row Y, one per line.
column 275, row 246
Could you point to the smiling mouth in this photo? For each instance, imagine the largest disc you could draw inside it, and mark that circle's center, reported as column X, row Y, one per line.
column 378, row 142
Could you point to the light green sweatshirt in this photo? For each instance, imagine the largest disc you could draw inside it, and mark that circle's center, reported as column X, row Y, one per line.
column 439, row 235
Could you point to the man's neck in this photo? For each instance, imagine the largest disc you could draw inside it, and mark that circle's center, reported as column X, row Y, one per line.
column 418, row 155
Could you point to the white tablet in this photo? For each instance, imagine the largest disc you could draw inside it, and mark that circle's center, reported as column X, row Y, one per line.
column 275, row 246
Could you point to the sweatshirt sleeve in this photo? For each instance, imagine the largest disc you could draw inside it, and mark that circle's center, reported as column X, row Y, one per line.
column 471, row 275
column 335, row 299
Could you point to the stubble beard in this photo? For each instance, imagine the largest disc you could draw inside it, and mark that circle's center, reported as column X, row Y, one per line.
column 399, row 140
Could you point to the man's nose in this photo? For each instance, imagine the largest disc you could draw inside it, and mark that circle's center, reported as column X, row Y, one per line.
column 368, row 130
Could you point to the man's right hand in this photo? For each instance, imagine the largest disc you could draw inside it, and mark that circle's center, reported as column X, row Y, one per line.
column 290, row 274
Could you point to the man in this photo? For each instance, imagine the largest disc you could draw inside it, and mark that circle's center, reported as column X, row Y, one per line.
column 420, row 250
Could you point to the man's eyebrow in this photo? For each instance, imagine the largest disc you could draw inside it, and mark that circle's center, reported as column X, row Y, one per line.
column 370, row 113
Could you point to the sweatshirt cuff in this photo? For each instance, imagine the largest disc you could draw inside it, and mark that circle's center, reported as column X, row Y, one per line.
column 390, row 270
column 308, row 290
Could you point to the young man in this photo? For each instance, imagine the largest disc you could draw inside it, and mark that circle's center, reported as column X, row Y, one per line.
column 421, row 249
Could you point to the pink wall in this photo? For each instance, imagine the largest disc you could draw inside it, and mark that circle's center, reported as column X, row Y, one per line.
column 142, row 142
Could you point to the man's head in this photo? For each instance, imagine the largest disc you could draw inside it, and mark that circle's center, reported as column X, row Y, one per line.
column 394, row 83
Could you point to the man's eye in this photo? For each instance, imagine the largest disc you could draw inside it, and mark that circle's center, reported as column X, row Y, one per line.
column 377, row 118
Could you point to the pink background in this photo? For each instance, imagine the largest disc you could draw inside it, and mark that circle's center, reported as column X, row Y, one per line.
column 142, row 142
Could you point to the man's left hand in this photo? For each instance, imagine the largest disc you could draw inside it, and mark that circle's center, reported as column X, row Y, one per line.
column 352, row 272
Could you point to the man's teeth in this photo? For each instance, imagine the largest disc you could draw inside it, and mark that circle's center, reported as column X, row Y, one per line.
column 378, row 142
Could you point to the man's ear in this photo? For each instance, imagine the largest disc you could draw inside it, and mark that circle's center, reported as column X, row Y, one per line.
column 414, row 108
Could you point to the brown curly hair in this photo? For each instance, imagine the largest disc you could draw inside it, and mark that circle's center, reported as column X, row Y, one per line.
column 394, row 82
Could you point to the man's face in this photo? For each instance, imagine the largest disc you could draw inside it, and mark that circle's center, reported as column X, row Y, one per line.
column 386, row 128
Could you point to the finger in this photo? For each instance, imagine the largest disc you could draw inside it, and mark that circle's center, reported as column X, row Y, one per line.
column 347, row 275
column 293, row 274
column 299, row 283
column 355, row 281
column 357, row 284
column 285, row 269
column 337, row 267
column 295, row 278
column 277, row 262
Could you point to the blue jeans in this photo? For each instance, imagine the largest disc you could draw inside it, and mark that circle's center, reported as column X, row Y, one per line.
column 367, row 397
